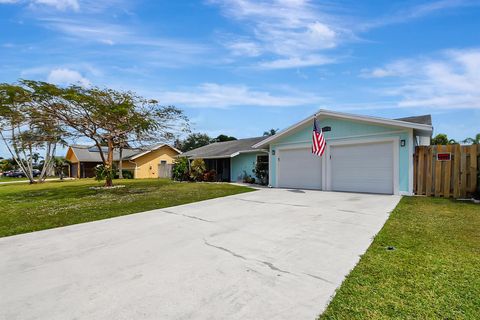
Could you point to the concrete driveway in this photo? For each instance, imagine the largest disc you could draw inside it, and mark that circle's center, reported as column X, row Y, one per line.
column 268, row 254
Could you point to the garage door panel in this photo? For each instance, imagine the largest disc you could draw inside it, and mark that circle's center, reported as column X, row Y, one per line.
column 362, row 167
column 299, row 168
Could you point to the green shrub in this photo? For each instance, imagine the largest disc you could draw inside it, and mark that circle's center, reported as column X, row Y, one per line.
column 247, row 178
column 210, row 176
column 261, row 172
column 197, row 169
column 180, row 170
column 127, row 174
column 102, row 172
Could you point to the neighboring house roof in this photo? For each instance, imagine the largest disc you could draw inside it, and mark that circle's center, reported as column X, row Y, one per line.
column 153, row 148
column 408, row 123
column 425, row 119
column 91, row 154
column 227, row 149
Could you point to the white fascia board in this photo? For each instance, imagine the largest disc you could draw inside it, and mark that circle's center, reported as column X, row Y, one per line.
column 348, row 116
column 156, row 148
column 248, row 151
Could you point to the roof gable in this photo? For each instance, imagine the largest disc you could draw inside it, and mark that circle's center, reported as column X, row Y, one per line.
column 374, row 122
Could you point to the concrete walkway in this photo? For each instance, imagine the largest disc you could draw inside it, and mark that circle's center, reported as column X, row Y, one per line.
column 268, row 254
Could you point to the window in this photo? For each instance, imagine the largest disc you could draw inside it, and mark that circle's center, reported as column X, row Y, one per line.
column 163, row 161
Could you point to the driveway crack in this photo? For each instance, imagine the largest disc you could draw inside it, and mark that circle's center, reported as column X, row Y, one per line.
column 280, row 203
column 273, row 267
column 225, row 249
column 268, row 264
column 319, row 278
column 186, row 216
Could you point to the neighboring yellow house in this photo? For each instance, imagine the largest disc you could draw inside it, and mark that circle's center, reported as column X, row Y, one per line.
column 153, row 162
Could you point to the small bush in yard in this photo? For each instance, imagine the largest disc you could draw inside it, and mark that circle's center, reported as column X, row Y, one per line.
column 261, row 172
column 127, row 174
column 210, row 176
column 197, row 169
column 180, row 170
column 102, row 172
column 247, row 178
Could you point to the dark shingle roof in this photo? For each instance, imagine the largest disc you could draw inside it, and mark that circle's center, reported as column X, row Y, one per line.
column 91, row 154
column 425, row 119
column 224, row 149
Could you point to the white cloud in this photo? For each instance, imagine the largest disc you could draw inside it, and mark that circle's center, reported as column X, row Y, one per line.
column 64, row 76
column 111, row 34
column 451, row 80
column 296, row 62
column 59, row 4
column 212, row 95
column 290, row 30
column 244, row 48
column 416, row 12
column 396, row 69
column 88, row 6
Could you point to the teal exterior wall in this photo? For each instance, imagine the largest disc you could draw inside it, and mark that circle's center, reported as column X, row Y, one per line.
column 342, row 130
column 243, row 163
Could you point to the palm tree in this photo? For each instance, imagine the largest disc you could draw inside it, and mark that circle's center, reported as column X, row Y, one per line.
column 475, row 140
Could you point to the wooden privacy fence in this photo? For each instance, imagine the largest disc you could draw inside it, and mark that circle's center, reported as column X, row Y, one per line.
column 446, row 171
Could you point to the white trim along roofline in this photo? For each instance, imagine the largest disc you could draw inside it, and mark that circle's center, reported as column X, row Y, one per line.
column 341, row 115
column 226, row 156
column 153, row 149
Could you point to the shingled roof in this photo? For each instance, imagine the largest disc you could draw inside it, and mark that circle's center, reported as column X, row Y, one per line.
column 424, row 119
column 225, row 149
column 86, row 153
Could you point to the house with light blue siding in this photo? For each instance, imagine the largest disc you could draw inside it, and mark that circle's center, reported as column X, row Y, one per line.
column 232, row 160
column 363, row 153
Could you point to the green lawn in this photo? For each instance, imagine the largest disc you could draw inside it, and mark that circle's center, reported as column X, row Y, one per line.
column 26, row 208
column 434, row 272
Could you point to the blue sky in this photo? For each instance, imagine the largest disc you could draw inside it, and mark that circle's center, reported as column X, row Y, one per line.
column 240, row 67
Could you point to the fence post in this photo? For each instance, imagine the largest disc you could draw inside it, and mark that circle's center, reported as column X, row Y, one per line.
column 473, row 167
column 420, row 169
column 447, row 175
column 438, row 174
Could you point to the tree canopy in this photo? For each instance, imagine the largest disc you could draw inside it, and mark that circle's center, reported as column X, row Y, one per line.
column 442, row 139
column 42, row 114
column 223, row 138
column 270, row 132
column 193, row 141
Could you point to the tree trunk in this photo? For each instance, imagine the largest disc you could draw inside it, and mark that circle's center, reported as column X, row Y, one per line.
column 120, row 165
column 109, row 164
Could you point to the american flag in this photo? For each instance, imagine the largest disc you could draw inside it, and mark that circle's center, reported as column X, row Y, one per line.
column 318, row 140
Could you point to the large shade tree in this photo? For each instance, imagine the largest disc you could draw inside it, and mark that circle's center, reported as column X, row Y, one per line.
column 193, row 141
column 109, row 117
column 27, row 130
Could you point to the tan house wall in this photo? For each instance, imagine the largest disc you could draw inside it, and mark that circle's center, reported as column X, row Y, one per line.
column 143, row 167
column 71, row 156
column 74, row 162
column 147, row 165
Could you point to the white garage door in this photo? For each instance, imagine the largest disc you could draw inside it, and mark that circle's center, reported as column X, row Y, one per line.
column 362, row 167
column 299, row 168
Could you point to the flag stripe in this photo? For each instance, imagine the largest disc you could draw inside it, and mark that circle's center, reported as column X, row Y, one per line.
column 318, row 140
